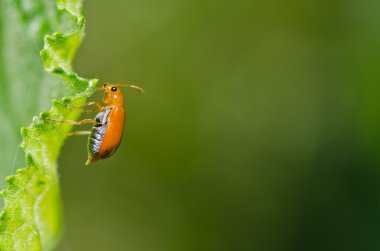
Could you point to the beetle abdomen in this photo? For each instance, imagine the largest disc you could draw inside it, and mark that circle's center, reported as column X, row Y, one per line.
column 114, row 133
column 97, row 135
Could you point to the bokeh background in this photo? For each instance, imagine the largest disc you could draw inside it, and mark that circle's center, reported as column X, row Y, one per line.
column 259, row 129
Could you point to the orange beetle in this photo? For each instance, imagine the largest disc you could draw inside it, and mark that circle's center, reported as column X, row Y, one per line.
column 108, row 125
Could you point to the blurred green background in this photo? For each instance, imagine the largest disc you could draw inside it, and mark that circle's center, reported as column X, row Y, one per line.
column 259, row 129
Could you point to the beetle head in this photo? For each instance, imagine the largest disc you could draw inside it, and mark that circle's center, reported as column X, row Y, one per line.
column 113, row 94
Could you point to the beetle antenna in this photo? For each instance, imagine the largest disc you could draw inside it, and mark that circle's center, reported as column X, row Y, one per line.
column 132, row 86
column 102, row 88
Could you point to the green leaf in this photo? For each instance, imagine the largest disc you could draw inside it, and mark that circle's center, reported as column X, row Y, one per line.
column 31, row 30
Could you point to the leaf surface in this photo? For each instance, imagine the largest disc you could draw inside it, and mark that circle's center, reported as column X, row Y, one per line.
column 38, row 40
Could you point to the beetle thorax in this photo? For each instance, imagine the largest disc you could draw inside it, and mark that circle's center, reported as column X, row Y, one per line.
column 113, row 98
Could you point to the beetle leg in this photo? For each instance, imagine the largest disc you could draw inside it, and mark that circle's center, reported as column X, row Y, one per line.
column 79, row 133
column 98, row 106
column 71, row 122
column 93, row 110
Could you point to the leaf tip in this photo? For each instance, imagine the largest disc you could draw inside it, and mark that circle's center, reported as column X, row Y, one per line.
column 44, row 115
column 11, row 180
column 29, row 159
column 44, row 54
column 56, row 102
column 58, row 70
column 81, row 22
column 93, row 82
column 24, row 132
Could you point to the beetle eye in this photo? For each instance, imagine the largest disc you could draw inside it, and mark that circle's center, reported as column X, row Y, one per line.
column 113, row 89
